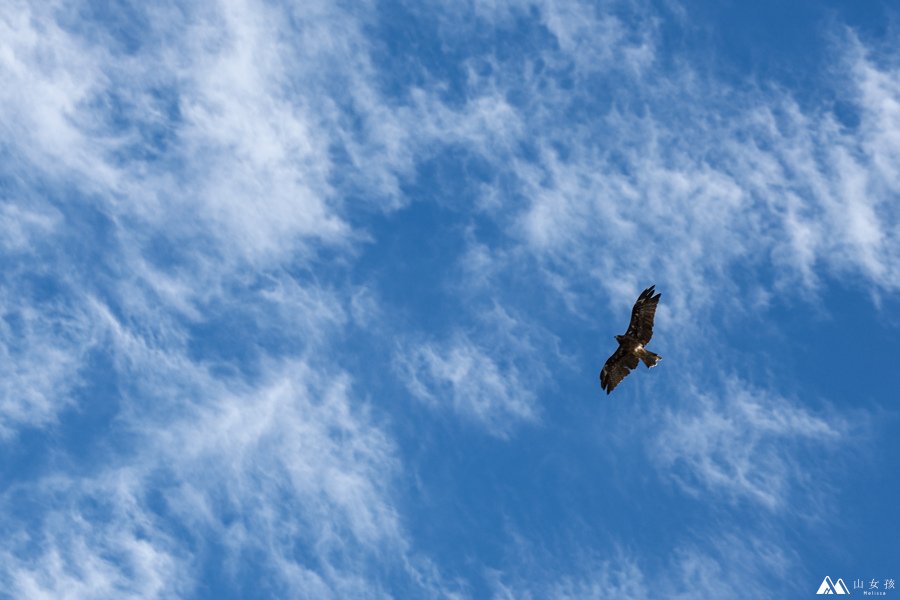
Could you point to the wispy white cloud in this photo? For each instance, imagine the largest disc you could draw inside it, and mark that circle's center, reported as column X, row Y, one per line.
column 620, row 578
column 741, row 444
column 206, row 151
column 211, row 155
column 98, row 540
column 42, row 349
column 22, row 226
column 702, row 565
column 754, row 181
column 49, row 75
column 467, row 378
column 296, row 461
column 877, row 92
column 596, row 39
column 490, row 373
column 764, row 183
column 293, row 470
column 728, row 563
column 239, row 132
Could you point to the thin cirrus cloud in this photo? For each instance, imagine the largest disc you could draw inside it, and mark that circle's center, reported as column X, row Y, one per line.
column 173, row 226
column 233, row 172
column 752, row 188
column 244, row 474
column 740, row 444
column 466, row 377
column 42, row 349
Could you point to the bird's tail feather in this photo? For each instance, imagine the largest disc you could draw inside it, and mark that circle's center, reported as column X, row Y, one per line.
column 650, row 358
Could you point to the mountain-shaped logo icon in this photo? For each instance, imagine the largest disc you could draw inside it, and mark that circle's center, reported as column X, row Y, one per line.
column 829, row 587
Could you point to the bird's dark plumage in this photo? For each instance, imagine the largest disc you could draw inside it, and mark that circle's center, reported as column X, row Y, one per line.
column 631, row 345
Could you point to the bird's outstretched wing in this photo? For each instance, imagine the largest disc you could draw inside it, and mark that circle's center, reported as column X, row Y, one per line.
column 616, row 368
column 641, row 326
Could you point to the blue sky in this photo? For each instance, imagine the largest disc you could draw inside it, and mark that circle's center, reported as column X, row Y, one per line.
column 309, row 299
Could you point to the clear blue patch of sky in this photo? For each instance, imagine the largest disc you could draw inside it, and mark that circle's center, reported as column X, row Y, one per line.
column 793, row 45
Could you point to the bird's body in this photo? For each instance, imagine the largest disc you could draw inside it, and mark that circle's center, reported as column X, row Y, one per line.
column 631, row 348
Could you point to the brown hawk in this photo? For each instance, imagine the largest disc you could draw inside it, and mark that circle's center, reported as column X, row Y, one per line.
column 631, row 345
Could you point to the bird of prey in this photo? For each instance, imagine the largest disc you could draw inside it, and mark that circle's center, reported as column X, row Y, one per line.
column 631, row 345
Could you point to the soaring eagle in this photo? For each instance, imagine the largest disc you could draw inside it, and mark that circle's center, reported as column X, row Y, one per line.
column 631, row 345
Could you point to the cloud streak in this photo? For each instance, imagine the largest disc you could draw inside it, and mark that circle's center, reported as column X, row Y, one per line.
column 464, row 376
column 742, row 444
